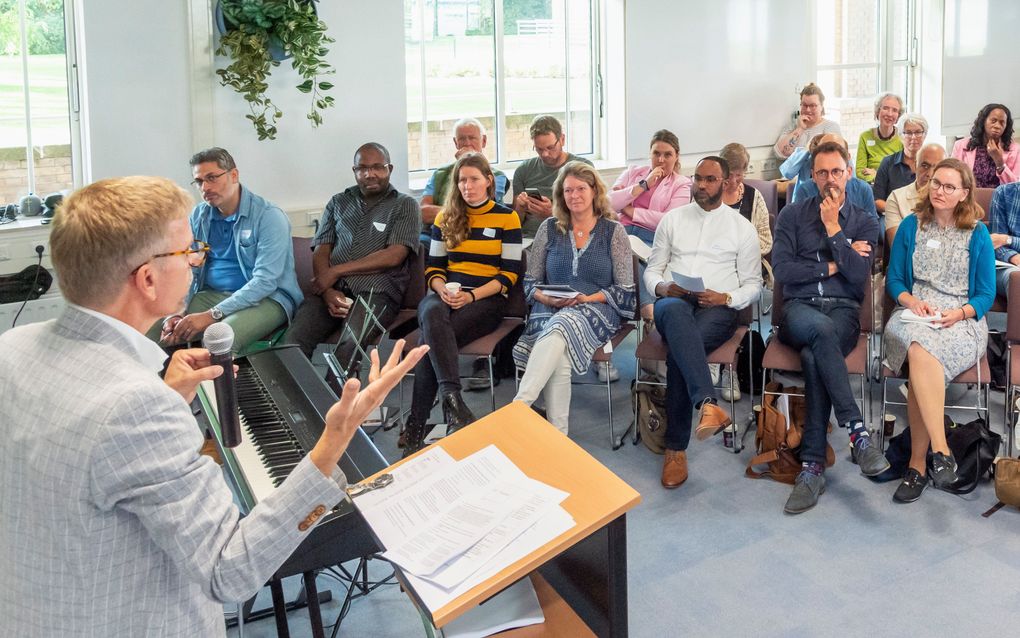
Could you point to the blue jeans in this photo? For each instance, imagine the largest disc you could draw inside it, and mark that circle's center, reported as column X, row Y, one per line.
column 645, row 297
column 1002, row 279
column 825, row 330
column 691, row 332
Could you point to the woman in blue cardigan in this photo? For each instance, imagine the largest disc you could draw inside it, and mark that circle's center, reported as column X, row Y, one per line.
column 942, row 275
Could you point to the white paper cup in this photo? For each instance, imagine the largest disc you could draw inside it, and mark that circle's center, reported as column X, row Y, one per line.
column 453, row 287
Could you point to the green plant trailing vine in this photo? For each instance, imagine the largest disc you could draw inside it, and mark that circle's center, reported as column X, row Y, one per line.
column 252, row 28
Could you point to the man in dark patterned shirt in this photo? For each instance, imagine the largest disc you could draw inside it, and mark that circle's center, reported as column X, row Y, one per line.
column 367, row 240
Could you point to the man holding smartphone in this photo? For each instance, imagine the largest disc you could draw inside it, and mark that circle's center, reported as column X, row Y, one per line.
column 533, row 179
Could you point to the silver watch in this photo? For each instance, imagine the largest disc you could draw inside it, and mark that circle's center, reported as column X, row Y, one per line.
column 216, row 313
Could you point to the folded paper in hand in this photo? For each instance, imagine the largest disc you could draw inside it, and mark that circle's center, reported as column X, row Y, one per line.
column 558, row 291
column 932, row 321
column 692, row 284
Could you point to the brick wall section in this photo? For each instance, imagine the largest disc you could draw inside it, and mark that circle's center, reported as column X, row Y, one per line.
column 52, row 172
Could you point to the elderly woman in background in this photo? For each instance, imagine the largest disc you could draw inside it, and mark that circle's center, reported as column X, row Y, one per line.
column 941, row 271
column 900, row 168
column 474, row 260
column 990, row 151
column 745, row 199
column 881, row 141
column 580, row 246
column 809, row 124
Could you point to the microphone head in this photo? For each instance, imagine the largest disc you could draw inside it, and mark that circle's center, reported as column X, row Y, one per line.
column 218, row 338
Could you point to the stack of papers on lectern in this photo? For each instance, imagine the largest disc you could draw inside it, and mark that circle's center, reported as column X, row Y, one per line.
column 932, row 321
column 449, row 525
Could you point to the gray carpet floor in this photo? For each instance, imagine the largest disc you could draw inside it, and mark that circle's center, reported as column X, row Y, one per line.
column 718, row 557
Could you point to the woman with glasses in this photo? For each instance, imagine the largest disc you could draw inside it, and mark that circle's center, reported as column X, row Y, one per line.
column 642, row 195
column 809, row 122
column 581, row 248
column 990, row 151
column 474, row 260
column 900, row 168
column 942, row 276
column 877, row 143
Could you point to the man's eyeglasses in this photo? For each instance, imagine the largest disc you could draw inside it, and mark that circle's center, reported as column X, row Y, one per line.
column 707, row 179
column 948, row 189
column 195, row 253
column 836, row 173
column 208, row 179
column 362, row 169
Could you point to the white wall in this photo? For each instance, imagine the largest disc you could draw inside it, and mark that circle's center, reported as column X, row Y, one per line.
column 138, row 85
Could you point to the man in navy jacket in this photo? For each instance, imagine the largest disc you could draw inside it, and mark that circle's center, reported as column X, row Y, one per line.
column 822, row 256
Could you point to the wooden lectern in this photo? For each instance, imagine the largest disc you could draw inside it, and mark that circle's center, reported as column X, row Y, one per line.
column 585, row 567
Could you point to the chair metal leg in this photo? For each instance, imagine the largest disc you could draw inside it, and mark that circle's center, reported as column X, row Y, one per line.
column 609, row 395
column 492, row 384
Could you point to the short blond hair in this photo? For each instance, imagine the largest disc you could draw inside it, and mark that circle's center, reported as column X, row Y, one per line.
column 107, row 229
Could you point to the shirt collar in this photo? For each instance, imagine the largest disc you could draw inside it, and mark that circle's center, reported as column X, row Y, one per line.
column 146, row 350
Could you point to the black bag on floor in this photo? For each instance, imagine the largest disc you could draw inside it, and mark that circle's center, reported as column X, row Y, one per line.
column 748, row 371
column 30, row 283
column 974, row 446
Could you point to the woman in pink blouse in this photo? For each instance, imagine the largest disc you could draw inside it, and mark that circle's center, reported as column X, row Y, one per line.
column 643, row 194
column 989, row 150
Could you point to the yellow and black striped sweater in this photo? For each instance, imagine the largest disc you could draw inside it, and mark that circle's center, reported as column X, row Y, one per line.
column 491, row 251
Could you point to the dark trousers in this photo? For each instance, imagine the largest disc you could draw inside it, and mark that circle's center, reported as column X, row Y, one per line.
column 691, row 332
column 313, row 325
column 825, row 331
column 445, row 330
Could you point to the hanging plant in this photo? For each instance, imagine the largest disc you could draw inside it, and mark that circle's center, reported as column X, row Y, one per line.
column 256, row 35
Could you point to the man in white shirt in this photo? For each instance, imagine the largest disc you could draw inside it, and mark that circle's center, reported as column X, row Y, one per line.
column 901, row 202
column 708, row 240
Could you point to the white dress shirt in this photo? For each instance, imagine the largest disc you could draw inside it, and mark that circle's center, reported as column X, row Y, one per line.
column 720, row 246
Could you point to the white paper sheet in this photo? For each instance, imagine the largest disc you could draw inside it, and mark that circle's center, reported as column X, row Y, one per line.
column 692, row 284
column 408, row 475
column 515, row 606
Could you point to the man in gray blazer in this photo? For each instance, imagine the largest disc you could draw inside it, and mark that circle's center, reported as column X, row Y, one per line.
column 112, row 524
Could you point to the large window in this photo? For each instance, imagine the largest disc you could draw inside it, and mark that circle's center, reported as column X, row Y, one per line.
column 35, row 110
column 863, row 48
column 503, row 62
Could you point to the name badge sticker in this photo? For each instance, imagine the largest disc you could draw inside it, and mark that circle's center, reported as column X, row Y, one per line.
column 489, row 232
column 379, row 226
column 871, row 142
column 934, row 243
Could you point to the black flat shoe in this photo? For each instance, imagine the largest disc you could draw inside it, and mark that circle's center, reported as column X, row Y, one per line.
column 911, row 488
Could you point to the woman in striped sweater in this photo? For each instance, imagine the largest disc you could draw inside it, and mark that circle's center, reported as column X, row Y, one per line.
column 474, row 260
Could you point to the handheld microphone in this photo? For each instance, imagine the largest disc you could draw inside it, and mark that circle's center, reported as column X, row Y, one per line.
column 218, row 339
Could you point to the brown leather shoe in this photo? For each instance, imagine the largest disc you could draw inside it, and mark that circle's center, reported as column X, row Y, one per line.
column 712, row 421
column 674, row 468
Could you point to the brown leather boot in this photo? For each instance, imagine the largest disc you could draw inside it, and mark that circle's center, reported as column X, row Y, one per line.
column 674, row 468
column 712, row 421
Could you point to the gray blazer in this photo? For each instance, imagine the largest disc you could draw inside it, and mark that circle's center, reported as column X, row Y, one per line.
column 111, row 523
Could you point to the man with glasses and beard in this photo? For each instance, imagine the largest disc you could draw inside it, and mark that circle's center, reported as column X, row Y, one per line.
column 248, row 278
column 822, row 256
column 716, row 243
column 367, row 237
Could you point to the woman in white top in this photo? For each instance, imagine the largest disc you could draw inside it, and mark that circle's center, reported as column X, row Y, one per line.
column 809, row 122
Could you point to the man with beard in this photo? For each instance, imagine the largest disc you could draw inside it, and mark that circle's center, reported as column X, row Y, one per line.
column 247, row 279
column 822, row 256
column 716, row 243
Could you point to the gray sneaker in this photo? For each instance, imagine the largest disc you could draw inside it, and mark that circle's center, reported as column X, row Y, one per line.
column 805, row 492
column 943, row 470
column 868, row 457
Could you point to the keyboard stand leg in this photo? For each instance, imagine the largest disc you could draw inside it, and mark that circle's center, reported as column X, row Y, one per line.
column 279, row 608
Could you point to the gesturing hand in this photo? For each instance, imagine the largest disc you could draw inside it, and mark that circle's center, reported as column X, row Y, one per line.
column 356, row 403
column 188, row 368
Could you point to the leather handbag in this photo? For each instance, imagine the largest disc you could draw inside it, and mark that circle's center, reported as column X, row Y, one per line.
column 1007, row 481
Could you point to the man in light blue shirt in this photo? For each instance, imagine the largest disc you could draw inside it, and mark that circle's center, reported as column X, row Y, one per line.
column 798, row 165
column 248, row 278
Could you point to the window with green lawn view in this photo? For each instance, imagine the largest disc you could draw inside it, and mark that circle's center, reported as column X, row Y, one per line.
column 35, row 110
column 502, row 62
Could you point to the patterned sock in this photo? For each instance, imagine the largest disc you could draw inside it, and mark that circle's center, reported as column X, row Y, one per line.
column 859, row 435
column 812, row 467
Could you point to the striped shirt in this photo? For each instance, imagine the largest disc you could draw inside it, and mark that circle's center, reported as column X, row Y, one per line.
column 356, row 229
column 491, row 251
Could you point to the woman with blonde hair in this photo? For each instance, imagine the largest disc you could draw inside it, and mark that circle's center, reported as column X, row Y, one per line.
column 942, row 275
column 582, row 248
column 474, row 260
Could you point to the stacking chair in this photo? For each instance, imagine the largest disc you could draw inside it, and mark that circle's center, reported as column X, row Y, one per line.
column 779, row 356
column 653, row 347
column 979, row 375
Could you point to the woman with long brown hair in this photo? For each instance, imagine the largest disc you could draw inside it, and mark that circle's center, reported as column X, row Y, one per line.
column 942, row 275
column 474, row 260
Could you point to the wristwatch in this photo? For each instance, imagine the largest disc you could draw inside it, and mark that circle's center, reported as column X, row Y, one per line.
column 215, row 313
column 729, row 299
column 643, row 184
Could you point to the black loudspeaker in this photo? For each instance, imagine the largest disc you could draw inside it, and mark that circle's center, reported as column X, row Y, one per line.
column 50, row 204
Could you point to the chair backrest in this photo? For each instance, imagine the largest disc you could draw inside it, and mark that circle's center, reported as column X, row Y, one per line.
column 1013, row 309
column 416, row 288
column 769, row 192
column 983, row 197
column 866, row 316
column 303, row 263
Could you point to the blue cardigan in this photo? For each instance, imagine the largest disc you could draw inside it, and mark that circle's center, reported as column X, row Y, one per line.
column 981, row 267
